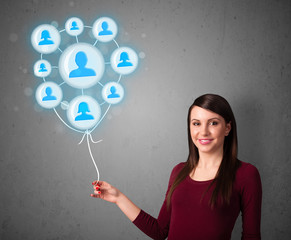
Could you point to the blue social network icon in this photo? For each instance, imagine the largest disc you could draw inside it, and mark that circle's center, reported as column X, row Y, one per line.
column 124, row 60
column 84, row 112
column 83, row 109
column 113, row 93
column 42, row 68
column 45, row 36
column 105, row 30
column 81, row 61
column 81, row 65
column 74, row 26
column 49, row 96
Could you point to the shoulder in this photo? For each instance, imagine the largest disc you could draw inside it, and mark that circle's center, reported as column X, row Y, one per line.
column 246, row 170
column 248, row 183
column 247, row 174
column 176, row 170
column 178, row 167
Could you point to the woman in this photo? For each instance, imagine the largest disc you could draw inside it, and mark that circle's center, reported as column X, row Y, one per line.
column 206, row 193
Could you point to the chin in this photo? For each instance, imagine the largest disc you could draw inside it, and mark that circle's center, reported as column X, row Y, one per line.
column 203, row 150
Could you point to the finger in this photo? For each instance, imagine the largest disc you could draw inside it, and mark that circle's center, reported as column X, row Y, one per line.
column 95, row 195
column 97, row 183
column 100, row 183
column 97, row 192
column 96, row 187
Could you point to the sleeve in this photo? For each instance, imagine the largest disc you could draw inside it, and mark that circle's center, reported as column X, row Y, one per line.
column 251, row 203
column 157, row 228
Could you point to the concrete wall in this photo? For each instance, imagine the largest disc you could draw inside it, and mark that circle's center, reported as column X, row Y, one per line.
column 239, row 49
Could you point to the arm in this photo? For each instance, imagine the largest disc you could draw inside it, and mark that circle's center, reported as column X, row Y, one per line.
column 158, row 228
column 155, row 228
column 251, row 205
column 128, row 207
column 111, row 194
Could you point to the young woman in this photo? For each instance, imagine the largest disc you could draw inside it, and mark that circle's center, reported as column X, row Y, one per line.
column 207, row 192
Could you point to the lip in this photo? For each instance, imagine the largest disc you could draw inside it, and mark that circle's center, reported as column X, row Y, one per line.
column 205, row 141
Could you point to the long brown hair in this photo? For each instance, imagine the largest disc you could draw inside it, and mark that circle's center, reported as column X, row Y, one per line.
column 225, row 175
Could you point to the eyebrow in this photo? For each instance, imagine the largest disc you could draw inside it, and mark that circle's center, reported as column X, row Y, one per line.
column 194, row 119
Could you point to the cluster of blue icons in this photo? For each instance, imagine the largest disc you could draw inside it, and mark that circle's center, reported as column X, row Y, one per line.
column 81, row 66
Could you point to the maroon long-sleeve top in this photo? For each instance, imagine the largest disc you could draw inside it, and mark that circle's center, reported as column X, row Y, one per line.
column 190, row 217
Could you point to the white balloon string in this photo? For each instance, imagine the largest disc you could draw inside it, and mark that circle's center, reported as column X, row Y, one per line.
column 93, row 140
column 116, row 43
column 88, row 134
column 119, row 78
column 89, row 148
column 82, row 138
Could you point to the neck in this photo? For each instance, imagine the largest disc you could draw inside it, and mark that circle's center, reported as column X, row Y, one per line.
column 210, row 160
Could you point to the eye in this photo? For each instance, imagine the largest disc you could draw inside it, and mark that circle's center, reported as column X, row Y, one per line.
column 196, row 123
column 213, row 123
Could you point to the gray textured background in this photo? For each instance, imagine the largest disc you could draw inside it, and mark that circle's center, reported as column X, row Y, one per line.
column 239, row 49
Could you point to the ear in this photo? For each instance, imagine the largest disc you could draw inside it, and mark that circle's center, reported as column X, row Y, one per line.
column 228, row 128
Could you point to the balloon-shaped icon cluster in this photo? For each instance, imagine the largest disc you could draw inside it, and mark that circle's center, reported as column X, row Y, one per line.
column 81, row 66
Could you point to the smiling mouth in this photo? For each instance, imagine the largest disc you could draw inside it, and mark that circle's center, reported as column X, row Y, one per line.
column 205, row 141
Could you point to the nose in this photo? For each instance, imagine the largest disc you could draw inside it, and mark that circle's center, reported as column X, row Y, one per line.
column 204, row 130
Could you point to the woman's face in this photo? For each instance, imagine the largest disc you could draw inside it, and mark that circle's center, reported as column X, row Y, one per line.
column 208, row 130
